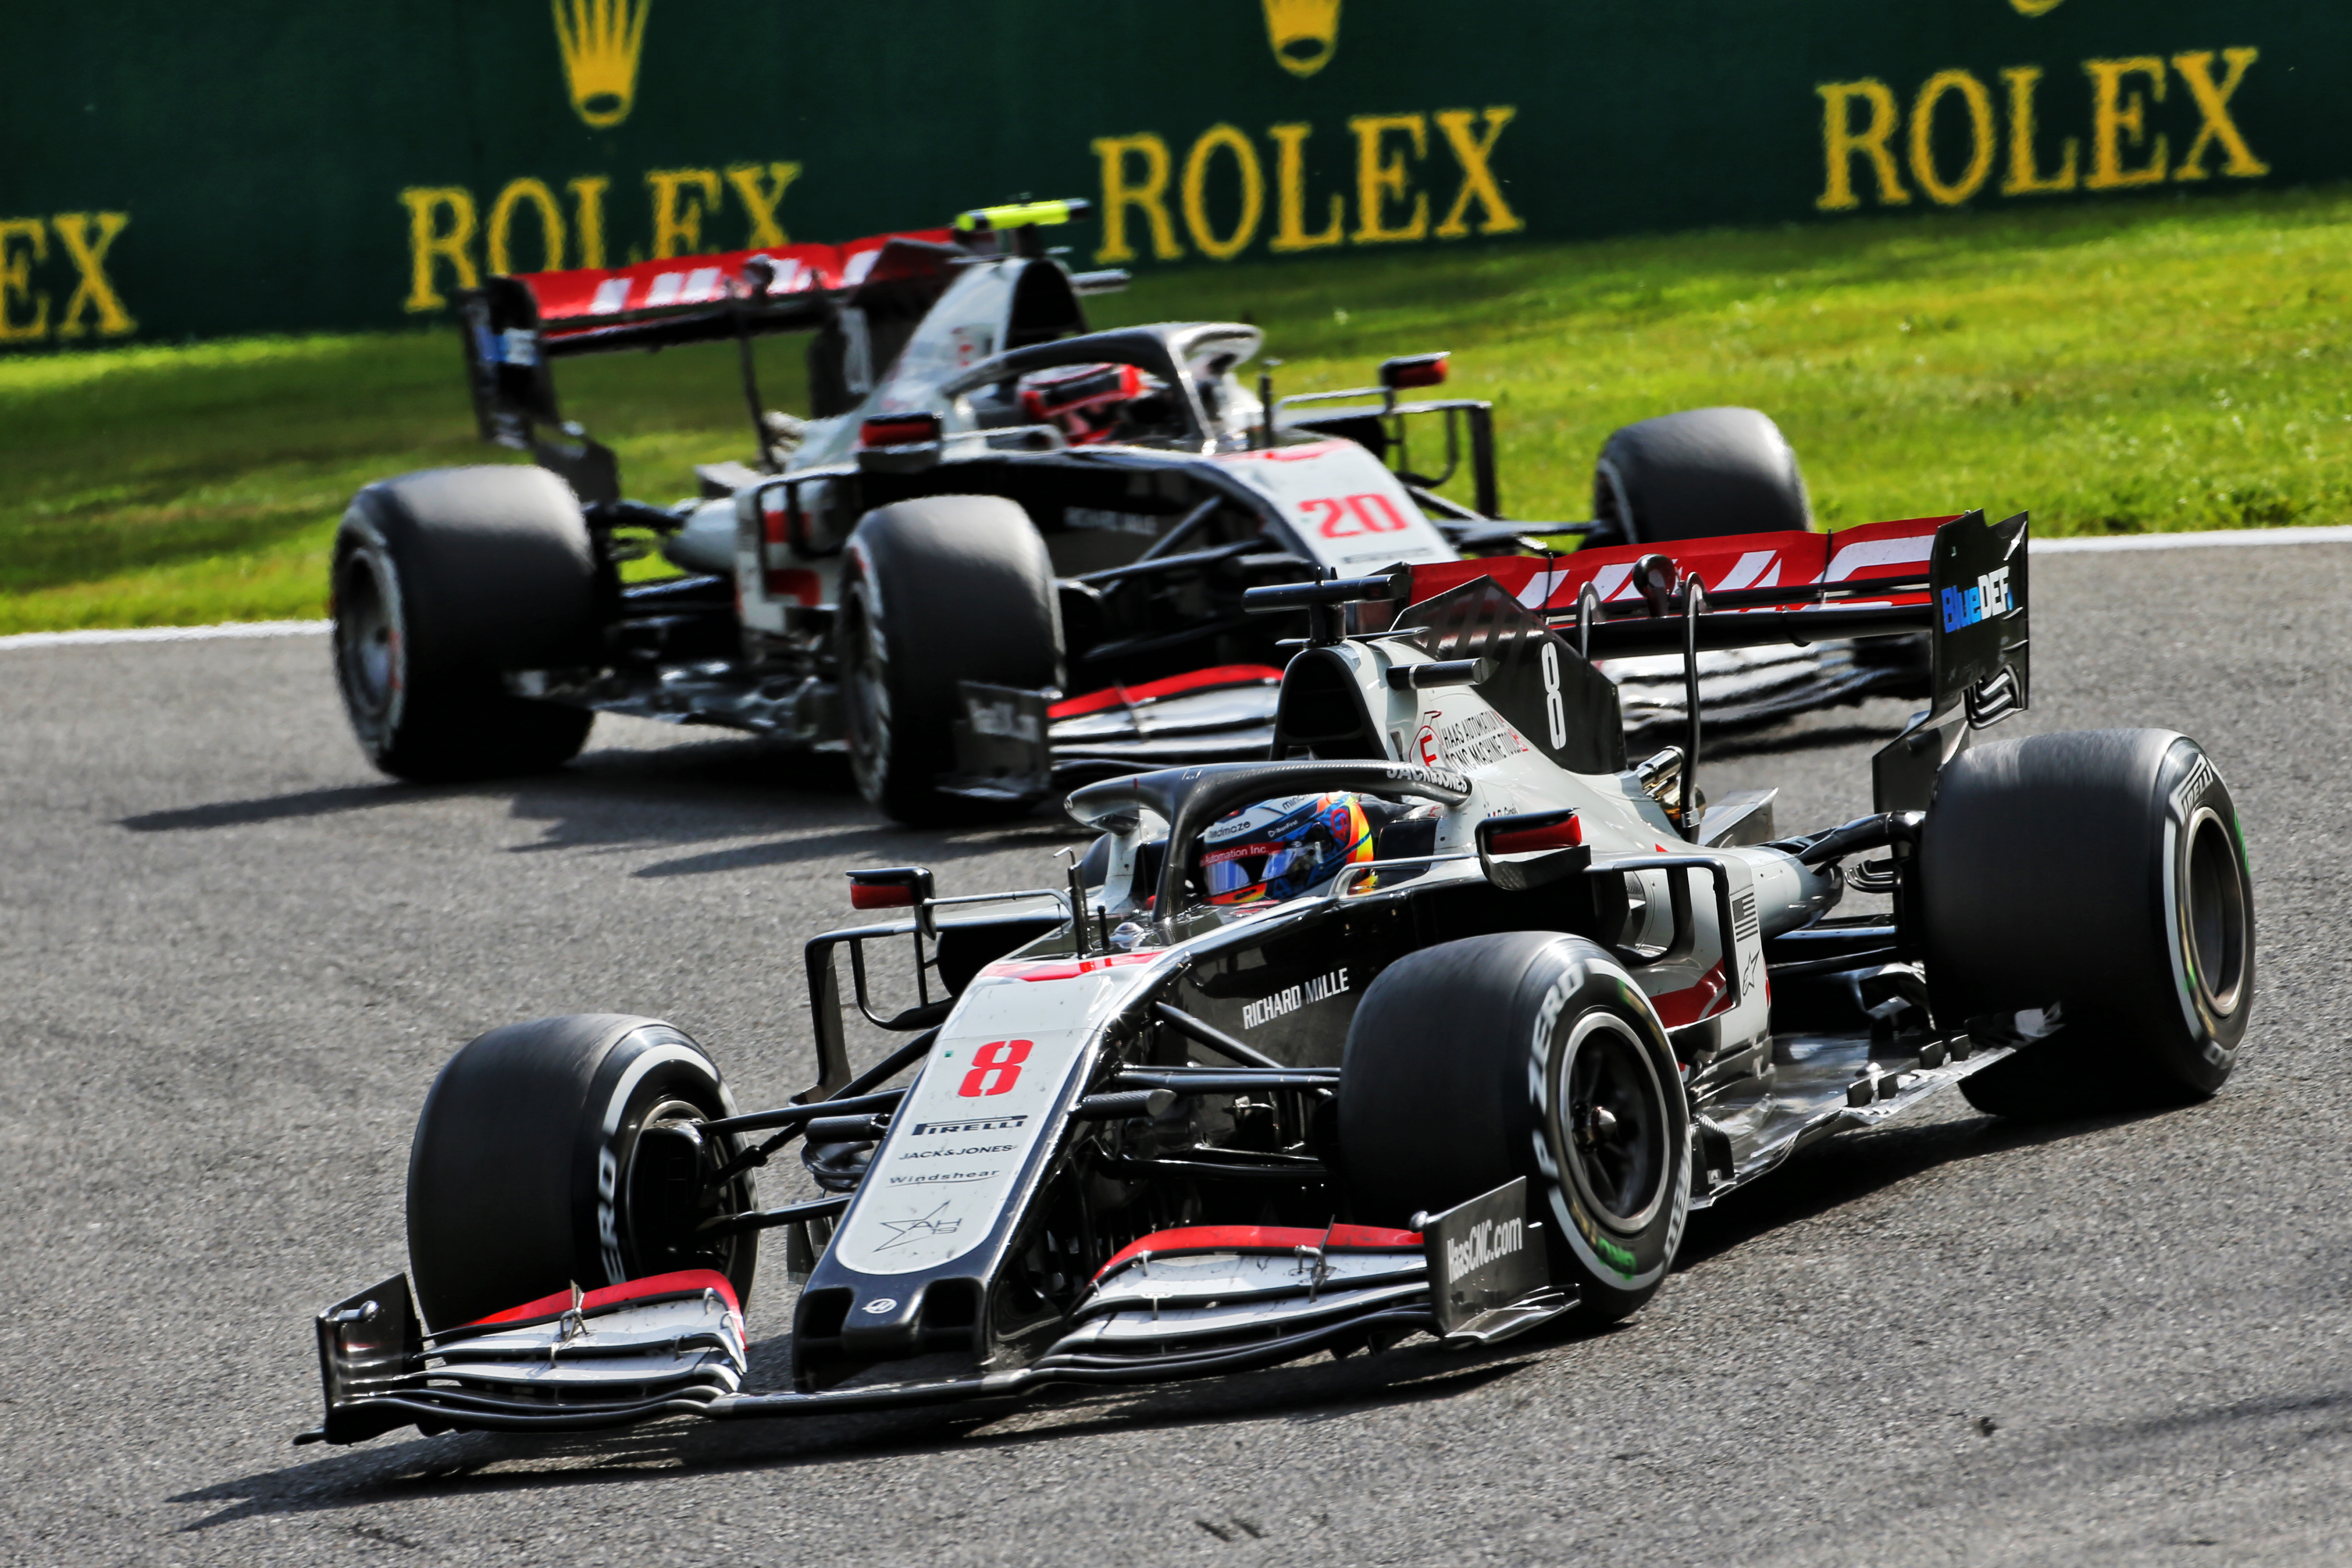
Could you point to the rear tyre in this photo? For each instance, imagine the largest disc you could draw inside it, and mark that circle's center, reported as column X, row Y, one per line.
column 934, row 592
column 1698, row 474
column 1525, row 1054
column 558, row 1153
column 2102, row 871
column 442, row 581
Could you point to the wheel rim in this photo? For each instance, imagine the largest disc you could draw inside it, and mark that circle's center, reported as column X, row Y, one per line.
column 866, row 683
column 1613, row 1125
column 669, row 1166
column 2216, row 913
column 367, row 637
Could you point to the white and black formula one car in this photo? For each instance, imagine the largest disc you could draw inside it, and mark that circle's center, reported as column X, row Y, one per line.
column 1000, row 525
column 1441, row 1025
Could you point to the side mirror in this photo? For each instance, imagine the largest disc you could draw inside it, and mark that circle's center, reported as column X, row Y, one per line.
column 890, row 888
column 1413, row 370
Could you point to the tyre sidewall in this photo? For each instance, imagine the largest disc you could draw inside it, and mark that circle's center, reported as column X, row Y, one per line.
column 359, row 546
column 864, row 634
column 645, row 1068
column 2199, row 1041
column 1616, row 1264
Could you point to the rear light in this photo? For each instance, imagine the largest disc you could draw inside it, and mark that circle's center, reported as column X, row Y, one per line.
column 771, row 520
column 901, row 430
column 890, row 887
column 1413, row 370
column 1523, row 835
column 797, row 583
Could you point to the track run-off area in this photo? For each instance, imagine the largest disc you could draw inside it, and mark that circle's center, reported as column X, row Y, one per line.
column 234, row 957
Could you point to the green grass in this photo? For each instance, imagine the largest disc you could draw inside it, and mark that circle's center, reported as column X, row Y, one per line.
column 2121, row 368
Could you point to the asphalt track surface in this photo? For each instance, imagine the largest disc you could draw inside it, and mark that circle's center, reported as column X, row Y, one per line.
column 233, row 959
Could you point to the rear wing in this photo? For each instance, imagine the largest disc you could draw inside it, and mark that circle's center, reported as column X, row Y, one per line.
column 1958, row 580
column 515, row 326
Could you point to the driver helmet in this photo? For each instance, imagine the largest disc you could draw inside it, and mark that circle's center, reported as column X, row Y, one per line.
column 1086, row 401
column 1280, row 848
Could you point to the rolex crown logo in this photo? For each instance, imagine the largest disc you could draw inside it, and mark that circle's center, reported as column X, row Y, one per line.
column 1304, row 33
column 600, row 39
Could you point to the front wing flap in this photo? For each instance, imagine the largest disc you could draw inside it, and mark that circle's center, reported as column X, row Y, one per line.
column 667, row 1346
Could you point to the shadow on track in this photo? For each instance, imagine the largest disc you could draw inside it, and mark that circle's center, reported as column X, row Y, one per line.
column 1845, row 1169
column 1817, row 1182
column 462, row 1465
column 798, row 806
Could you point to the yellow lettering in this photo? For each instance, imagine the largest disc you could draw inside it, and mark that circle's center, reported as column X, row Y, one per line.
column 551, row 225
column 2116, row 114
column 23, row 241
column 588, row 216
column 680, row 198
column 1381, row 179
column 1923, row 137
column 1477, row 177
column 761, row 187
column 1196, row 191
column 2238, row 159
column 431, row 243
column 1842, row 143
column 1290, row 195
column 93, row 291
column 2025, row 179
column 1148, row 195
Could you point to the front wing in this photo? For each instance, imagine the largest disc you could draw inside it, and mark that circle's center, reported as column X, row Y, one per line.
column 1185, row 1304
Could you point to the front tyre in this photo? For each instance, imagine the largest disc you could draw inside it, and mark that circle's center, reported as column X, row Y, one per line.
column 1523, row 1054
column 933, row 593
column 564, row 1152
column 442, row 582
column 2103, row 870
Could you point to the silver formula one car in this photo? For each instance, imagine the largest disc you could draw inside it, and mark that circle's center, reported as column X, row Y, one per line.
column 1441, row 1025
column 1001, row 525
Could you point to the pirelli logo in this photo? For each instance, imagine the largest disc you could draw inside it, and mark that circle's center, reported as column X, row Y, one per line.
column 979, row 1124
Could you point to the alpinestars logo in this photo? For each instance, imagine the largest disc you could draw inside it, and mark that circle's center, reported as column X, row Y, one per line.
column 1488, row 1241
column 1967, row 606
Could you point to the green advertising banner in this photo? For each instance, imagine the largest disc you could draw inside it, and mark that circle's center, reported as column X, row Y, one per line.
column 176, row 171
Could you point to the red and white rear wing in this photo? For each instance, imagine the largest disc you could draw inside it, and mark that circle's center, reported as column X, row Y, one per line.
column 1957, row 579
column 514, row 326
column 577, row 308
column 1879, row 563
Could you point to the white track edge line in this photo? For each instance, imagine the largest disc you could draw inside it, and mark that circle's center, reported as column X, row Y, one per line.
column 166, row 633
column 2220, row 538
column 2217, row 539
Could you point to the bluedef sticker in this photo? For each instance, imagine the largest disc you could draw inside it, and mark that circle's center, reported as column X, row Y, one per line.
column 1987, row 597
column 1483, row 1257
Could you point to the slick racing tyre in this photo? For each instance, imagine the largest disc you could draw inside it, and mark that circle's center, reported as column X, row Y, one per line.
column 442, row 581
column 2102, row 872
column 1697, row 475
column 561, row 1152
column 935, row 591
column 1525, row 1054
